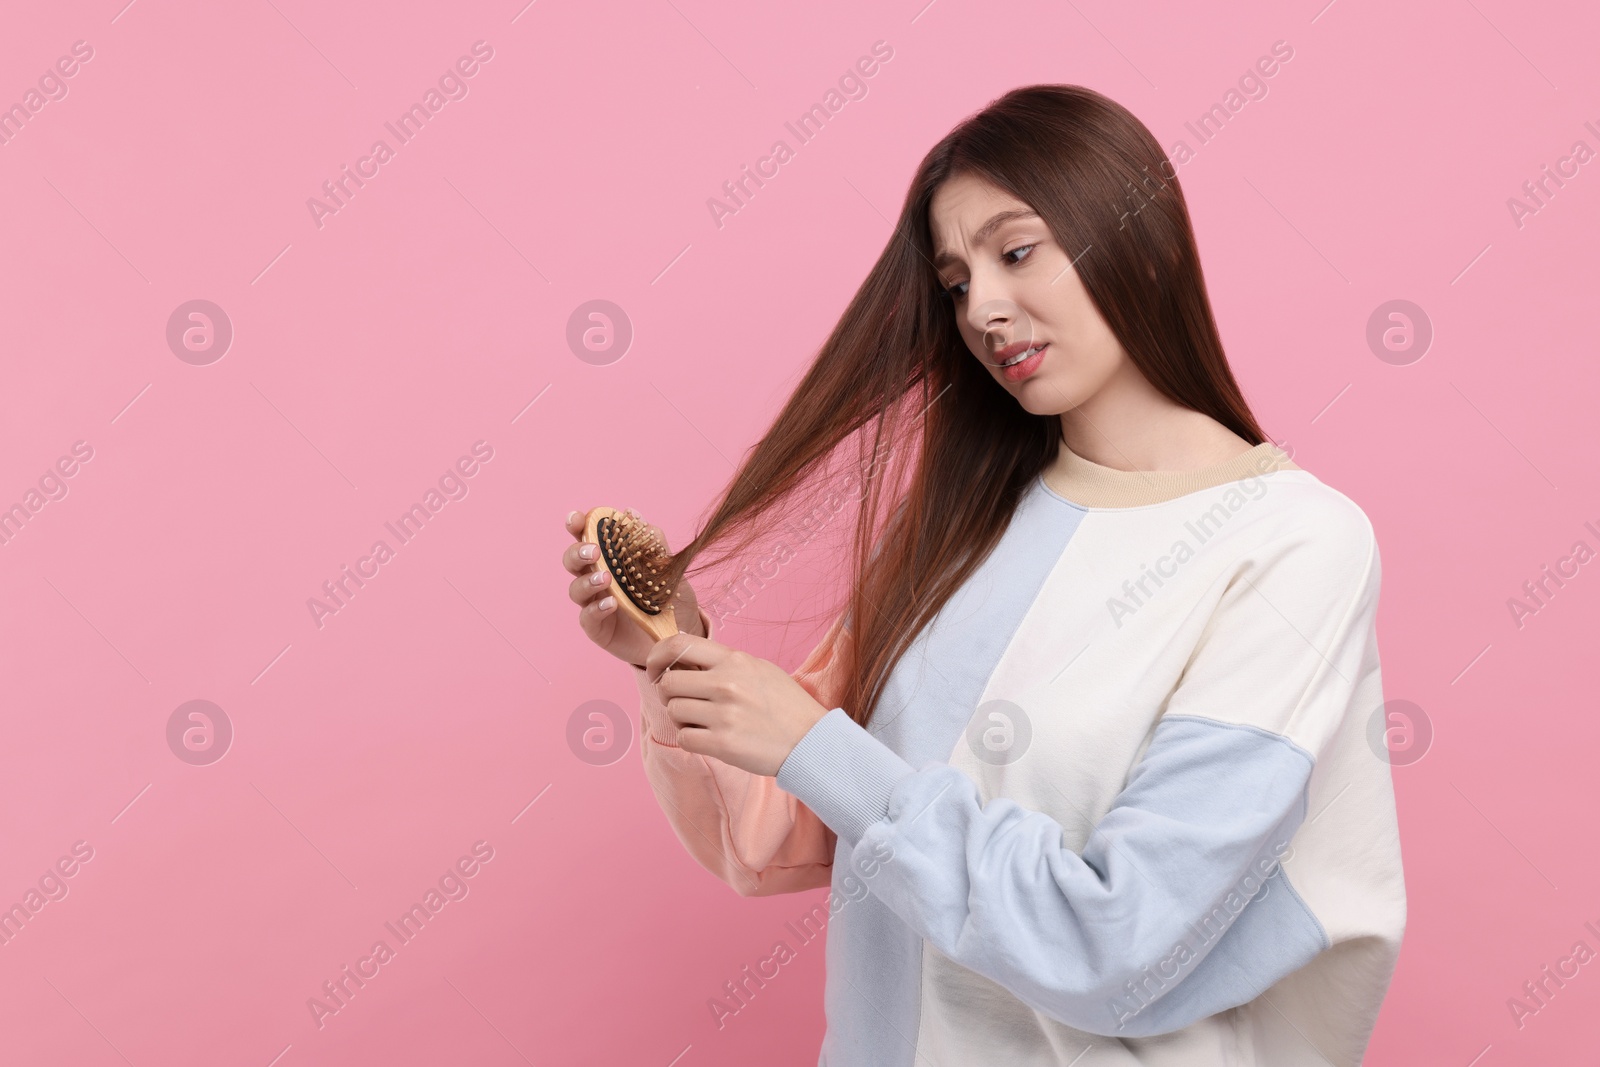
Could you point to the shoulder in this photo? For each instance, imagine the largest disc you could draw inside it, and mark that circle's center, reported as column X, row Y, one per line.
column 1313, row 530
column 1308, row 499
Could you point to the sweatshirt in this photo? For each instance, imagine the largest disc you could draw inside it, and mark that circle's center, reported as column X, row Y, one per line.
column 1124, row 800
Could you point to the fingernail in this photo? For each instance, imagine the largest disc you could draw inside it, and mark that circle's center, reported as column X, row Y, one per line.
column 587, row 551
column 570, row 516
column 608, row 603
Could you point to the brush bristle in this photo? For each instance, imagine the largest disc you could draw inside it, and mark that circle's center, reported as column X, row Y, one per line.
column 638, row 559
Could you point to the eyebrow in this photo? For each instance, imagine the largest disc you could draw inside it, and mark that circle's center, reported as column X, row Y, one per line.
column 941, row 260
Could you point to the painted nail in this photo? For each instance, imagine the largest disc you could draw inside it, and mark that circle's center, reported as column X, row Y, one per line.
column 587, row 551
column 570, row 516
column 608, row 603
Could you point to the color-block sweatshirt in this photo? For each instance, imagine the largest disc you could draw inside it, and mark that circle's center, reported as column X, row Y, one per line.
column 1125, row 799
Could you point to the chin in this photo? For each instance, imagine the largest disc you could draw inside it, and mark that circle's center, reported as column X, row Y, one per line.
column 1046, row 397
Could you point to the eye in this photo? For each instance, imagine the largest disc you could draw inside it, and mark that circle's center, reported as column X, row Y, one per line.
column 957, row 291
column 1014, row 251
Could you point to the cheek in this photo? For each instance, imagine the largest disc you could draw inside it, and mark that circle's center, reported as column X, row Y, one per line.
column 1086, row 362
column 1087, row 324
column 1079, row 331
column 972, row 340
column 1102, row 358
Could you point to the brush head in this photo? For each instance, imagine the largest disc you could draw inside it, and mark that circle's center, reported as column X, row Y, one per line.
column 638, row 559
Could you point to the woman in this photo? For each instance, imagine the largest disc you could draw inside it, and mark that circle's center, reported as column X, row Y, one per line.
column 1088, row 750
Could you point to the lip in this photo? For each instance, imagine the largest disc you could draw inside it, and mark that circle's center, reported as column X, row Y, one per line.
column 1027, row 366
column 1015, row 348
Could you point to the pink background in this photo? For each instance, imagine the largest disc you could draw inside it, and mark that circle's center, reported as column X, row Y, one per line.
column 431, row 312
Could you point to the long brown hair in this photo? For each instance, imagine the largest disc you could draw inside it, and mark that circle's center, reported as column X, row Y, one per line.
column 896, row 374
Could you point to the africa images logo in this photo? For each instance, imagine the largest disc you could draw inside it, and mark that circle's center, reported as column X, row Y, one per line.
column 453, row 885
column 452, row 85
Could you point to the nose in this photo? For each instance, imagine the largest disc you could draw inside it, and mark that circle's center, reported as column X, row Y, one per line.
column 994, row 320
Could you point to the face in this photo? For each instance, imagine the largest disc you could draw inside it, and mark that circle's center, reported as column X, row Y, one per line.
column 1013, row 288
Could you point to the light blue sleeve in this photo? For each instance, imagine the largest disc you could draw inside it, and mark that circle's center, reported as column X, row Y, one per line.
column 1145, row 931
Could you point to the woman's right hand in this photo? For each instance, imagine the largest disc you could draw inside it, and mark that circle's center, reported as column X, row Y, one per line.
column 602, row 622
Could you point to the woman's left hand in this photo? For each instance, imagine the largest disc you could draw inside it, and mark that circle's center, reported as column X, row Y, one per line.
column 743, row 710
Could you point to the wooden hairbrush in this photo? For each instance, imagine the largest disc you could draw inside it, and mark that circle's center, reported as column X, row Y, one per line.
column 637, row 559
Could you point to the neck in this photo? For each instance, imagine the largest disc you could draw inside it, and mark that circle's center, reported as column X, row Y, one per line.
column 1091, row 484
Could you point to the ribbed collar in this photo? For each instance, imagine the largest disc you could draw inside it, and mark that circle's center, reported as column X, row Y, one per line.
column 1092, row 485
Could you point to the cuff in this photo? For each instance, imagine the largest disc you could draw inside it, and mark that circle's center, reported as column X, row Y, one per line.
column 655, row 721
column 843, row 774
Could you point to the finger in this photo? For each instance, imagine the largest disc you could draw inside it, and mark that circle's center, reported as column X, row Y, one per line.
column 680, row 680
column 579, row 558
column 689, row 714
column 576, row 521
column 599, row 609
column 695, row 741
column 682, row 650
column 588, row 587
column 675, row 652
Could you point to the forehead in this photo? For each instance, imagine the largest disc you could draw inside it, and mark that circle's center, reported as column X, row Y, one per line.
column 963, row 210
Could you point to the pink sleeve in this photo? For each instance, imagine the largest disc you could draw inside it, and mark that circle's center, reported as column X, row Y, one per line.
column 738, row 825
